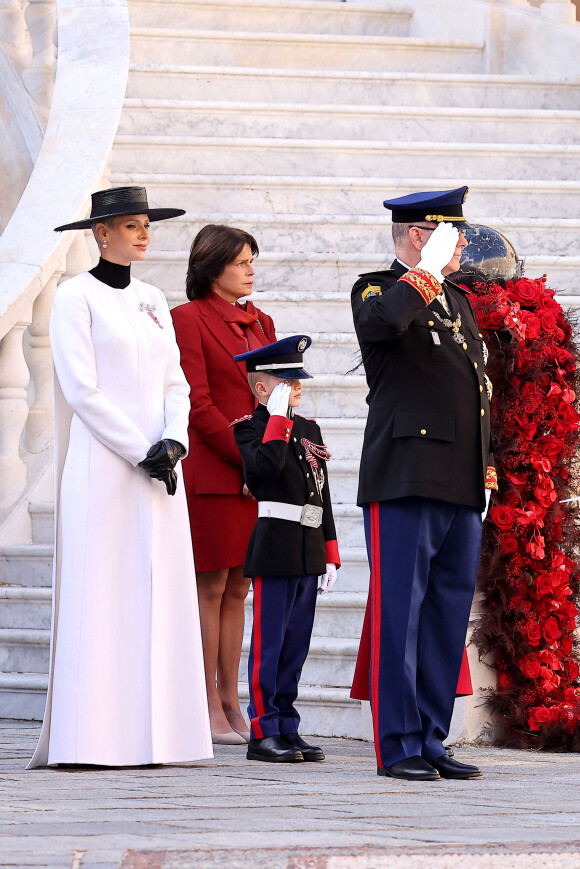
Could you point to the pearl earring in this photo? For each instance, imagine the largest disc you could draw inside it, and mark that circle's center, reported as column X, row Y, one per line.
column 105, row 245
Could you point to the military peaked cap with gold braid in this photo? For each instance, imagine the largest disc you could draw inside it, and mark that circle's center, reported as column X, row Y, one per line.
column 438, row 206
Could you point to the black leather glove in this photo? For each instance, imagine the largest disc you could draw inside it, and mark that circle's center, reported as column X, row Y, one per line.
column 170, row 480
column 162, row 457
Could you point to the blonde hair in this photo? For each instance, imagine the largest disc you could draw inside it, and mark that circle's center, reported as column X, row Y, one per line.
column 253, row 378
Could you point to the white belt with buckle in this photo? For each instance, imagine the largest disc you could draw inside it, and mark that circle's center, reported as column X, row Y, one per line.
column 309, row 515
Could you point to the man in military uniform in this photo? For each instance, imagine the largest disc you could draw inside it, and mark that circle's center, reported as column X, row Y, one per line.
column 425, row 466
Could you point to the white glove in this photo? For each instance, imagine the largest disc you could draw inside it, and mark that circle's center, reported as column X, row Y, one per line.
column 487, row 500
column 439, row 250
column 327, row 581
column 279, row 398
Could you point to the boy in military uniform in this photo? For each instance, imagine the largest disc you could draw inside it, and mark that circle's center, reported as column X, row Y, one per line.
column 293, row 542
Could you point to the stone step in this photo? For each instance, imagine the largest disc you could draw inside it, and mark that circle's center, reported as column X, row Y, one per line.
column 27, row 565
column 343, row 437
column 297, row 51
column 23, row 696
column 25, row 608
column 348, row 519
column 347, row 195
column 343, row 480
column 303, row 270
column 348, row 86
column 324, row 711
column 225, row 155
column 330, row 662
column 307, row 16
column 371, row 234
column 396, row 123
column 42, row 520
column 24, row 650
column 338, row 614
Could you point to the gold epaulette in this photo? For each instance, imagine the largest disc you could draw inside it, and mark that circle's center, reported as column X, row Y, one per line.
column 491, row 478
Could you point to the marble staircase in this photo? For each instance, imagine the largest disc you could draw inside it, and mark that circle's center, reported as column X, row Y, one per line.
column 294, row 119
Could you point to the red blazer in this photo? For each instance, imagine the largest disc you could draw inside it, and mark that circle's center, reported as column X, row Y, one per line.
column 219, row 394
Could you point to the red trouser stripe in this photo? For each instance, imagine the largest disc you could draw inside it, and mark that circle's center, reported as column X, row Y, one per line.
column 256, row 688
column 375, row 620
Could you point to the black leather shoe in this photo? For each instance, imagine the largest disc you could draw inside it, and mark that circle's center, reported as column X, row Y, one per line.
column 450, row 752
column 411, row 769
column 447, row 767
column 309, row 752
column 273, row 749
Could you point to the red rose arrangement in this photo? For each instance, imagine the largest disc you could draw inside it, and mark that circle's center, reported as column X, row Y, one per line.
column 528, row 571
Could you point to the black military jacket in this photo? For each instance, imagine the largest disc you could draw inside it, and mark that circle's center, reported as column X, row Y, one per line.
column 428, row 429
column 276, row 469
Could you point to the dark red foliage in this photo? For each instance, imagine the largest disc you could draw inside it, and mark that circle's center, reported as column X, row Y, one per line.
column 528, row 571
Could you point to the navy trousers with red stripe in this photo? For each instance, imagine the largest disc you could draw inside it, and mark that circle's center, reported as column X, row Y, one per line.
column 423, row 555
column 283, row 618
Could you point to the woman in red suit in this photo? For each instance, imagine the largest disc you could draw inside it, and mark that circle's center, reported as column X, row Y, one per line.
column 212, row 328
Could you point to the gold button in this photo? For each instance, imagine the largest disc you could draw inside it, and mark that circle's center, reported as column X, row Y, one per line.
column 475, row 364
column 480, row 388
column 482, row 412
column 480, row 335
column 431, row 323
column 423, row 431
column 464, row 346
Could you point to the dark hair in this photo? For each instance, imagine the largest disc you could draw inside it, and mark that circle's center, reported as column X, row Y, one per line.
column 213, row 248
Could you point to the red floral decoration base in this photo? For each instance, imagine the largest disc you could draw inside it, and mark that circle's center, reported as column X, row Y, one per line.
column 528, row 570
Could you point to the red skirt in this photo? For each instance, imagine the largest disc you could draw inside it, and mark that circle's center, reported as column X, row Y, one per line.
column 220, row 529
column 360, row 682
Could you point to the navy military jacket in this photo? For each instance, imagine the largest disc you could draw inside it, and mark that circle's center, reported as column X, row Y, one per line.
column 428, row 429
column 276, row 468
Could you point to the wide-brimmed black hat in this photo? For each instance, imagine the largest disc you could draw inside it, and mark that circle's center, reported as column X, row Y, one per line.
column 118, row 201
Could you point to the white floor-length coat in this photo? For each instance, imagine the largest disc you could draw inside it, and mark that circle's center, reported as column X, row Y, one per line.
column 126, row 682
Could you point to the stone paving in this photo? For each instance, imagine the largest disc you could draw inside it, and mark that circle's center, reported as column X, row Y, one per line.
column 229, row 812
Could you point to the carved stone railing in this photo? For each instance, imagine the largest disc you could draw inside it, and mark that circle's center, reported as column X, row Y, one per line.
column 93, row 37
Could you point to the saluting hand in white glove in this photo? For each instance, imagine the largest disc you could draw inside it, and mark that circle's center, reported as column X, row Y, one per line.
column 327, row 581
column 279, row 398
column 439, row 250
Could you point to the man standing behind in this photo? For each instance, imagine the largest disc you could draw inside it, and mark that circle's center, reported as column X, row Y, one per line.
column 425, row 465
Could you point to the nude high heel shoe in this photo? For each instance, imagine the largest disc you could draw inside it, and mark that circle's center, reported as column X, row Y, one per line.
column 231, row 738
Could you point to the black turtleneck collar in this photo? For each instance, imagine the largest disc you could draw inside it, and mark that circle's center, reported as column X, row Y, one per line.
column 112, row 274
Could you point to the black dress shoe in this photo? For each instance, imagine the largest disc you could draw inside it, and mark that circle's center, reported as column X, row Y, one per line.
column 411, row 769
column 309, row 752
column 447, row 767
column 449, row 752
column 273, row 749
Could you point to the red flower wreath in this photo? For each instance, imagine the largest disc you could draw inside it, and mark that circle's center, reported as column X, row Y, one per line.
column 528, row 570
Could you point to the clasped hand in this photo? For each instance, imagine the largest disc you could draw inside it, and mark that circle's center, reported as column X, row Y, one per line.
column 161, row 460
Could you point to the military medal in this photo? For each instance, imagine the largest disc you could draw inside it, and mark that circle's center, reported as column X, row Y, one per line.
column 454, row 325
column 150, row 310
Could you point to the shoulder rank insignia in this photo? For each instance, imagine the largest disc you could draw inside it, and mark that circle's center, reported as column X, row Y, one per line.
column 241, row 419
column 371, row 291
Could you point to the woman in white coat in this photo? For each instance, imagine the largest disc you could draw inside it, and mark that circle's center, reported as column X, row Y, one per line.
column 126, row 684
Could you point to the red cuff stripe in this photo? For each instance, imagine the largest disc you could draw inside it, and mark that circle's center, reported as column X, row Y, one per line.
column 332, row 556
column 278, row 429
column 426, row 285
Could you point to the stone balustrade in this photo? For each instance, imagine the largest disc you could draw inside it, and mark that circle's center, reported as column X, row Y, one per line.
column 81, row 125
